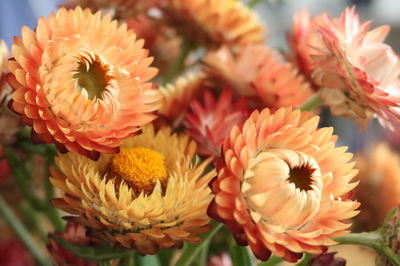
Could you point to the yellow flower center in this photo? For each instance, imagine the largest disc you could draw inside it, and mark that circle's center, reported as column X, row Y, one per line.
column 92, row 77
column 139, row 167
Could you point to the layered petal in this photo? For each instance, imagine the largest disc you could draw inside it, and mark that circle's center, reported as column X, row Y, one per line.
column 257, row 71
column 211, row 122
column 213, row 22
column 80, row 81
column 360, row 73
column 283, row 186
column 116, row 203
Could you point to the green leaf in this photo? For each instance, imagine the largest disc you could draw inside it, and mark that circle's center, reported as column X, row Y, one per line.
column 273, row 260
column 240, row 256
column 191, row 251
column 152, row 260
column 101, row 253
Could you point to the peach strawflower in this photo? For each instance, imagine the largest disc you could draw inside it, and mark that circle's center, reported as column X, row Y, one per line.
column 141, row 198
column 213, row 22
column 81, row 81
column 358, row 71
column 176, row 97
column 303, row 40
column 257, row 71
column 211, row 123
column 283, row 186
column 379, row 176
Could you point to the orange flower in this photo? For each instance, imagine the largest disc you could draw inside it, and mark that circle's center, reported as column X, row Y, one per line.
column 210, row 124
column 303, row 40
column 213, row 22
column 257, row 71
column 178, row 95
column 379, row 176
column 359, row 72
column 283, row 186
column 80, row 81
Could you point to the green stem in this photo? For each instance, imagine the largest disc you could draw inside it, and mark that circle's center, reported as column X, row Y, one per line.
column 372, row 240
column 51, row 211
column 191, row 251
column 312, row 103
column 23, row 234
column 179, row 64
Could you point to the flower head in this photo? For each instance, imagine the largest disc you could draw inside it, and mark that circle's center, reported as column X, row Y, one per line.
column 141, row 198
column 303, row 41
column 178, row 95
column 80, row 81
column 257, row 71
column 213, row 22
column 379, row 176
column 210, row 124
column 359, row 72
column 283, row 186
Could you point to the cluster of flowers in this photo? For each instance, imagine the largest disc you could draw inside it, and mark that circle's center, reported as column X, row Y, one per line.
column 146, row 166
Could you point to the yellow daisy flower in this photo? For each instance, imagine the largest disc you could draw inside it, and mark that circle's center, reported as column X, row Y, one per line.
column 141, row 198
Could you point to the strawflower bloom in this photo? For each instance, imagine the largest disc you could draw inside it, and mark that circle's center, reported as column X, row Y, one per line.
column 257, row 71
column 209, row 124
column 176, row 97
column 141, row 198
column 81, row 81
column 379, row 176
column 359, row 72
column 213, row 22
column 283, row 186
column 303, row 41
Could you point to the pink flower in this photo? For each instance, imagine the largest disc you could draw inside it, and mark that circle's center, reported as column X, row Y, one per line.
column 211, row 123
column 360, row 73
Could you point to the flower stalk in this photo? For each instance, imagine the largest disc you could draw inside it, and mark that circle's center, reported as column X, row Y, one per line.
column 12, row 220
column 372, row 240
column 312, row 103
column 179, row 64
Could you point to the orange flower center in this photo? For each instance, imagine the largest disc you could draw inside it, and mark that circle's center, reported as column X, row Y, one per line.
column 141, row 168
column 92, row 76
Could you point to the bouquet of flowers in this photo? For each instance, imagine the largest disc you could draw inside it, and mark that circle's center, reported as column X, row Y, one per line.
column 168, row 132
